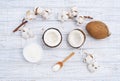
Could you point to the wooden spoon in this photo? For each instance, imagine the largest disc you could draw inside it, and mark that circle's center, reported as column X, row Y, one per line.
column 61, row 63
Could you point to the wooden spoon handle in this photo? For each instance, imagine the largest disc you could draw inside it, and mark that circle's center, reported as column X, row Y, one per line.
column 69, row 56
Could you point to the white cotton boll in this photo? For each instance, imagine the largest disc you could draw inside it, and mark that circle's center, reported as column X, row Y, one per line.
column 93, row 67
column 27, row 33
column 89, row 59
column 38, row 10
column 73, row 12
column 30, row 15
column 48, row 11
column 45, row 14
column 31, row 34
column 70, row 15
column 74, row 9
column 63, row 16
column 80, row 20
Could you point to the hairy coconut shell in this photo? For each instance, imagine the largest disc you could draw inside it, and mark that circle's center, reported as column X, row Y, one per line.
column 97, row 29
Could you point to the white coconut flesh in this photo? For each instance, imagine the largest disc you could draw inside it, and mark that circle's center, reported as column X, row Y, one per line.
column 32, row 52
column 76, row 38
column 52, row 37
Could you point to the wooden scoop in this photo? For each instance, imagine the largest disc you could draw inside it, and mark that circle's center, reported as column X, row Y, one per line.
column 62, row 62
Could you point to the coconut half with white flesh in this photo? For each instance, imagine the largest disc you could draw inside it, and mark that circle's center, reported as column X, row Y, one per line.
column 76, row 38
column 52, row 37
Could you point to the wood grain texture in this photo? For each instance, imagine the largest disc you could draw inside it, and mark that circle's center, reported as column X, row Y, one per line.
column 13, row 67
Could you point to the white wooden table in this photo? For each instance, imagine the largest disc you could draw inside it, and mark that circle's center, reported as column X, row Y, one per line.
column 13, row 67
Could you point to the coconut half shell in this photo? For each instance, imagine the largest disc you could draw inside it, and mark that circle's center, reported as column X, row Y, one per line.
column 97, row 29
column 76, row 38
column 52, row 37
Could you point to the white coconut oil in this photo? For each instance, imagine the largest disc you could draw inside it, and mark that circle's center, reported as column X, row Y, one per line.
column 32, row 52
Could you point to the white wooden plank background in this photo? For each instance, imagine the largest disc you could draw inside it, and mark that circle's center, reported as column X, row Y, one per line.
column 13, row 66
